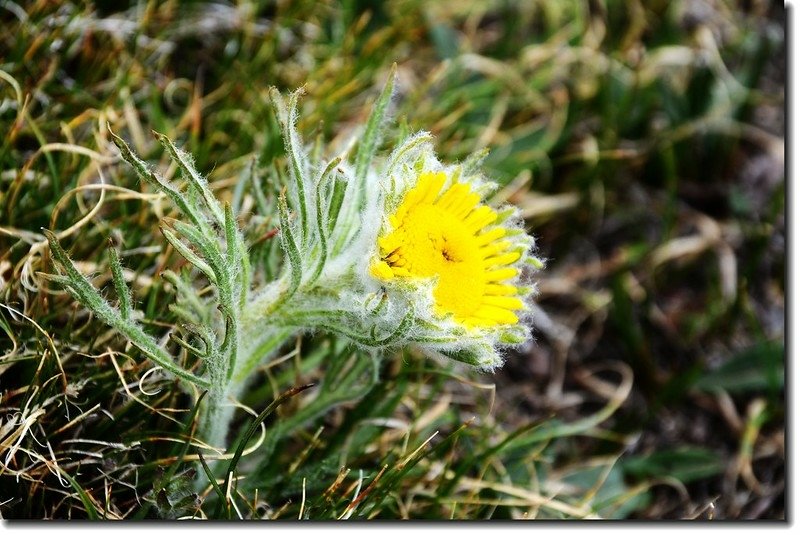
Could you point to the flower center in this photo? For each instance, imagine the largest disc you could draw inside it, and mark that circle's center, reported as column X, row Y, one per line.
column 436, row 243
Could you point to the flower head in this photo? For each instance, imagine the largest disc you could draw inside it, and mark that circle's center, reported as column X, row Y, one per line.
column 444, row 232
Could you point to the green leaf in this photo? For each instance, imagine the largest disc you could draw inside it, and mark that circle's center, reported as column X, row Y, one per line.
column 322, row 231
column 605, row 490
column 445, row 40
column 372, row 134
column 211, row 478
column 123, row 292
column 756, row 368
column 287, row 118
column 83, row 290
column 290, row 246
column 254, row 427
column 183, row 160
column 210, row 250
column 91, row 511
column 686, row 464
column 188, row 254
column 147, row 175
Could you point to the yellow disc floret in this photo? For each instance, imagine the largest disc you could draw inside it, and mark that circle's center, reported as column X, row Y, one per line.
column 450, row 236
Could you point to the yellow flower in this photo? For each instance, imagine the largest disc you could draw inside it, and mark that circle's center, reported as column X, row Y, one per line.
column 452, row 237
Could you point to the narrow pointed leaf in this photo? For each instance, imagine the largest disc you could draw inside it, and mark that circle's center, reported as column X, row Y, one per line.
column 372, row 135
column 123, row 292
column 183, row 160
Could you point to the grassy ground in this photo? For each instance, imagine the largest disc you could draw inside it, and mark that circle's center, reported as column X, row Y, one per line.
column 643, row 142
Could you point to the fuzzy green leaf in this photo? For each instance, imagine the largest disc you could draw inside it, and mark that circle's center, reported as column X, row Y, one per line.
column 90, row 297
column 188, row 254
column 372, row 134
column 147, row 175
column 183, row 161
column 209, row 248
column 294, row 150
column 290, row 246
column 123, row 292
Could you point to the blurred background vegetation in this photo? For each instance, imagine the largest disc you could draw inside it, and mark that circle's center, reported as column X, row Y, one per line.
column 643, row 142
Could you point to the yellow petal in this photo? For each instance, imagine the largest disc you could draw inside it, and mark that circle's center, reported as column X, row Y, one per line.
column 500, row 289
column 497, row 315
column 491, row 235
column 510, row 303
column 381, row 270
column 504, row 259
column 432, row 187
column 500, row 274
column 495, row 248
column 479, row 218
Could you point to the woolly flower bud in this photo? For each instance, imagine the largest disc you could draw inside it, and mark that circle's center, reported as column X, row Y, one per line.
column 404, row 251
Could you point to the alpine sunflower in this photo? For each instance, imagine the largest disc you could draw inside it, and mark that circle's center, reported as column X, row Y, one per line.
column 444, row 232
